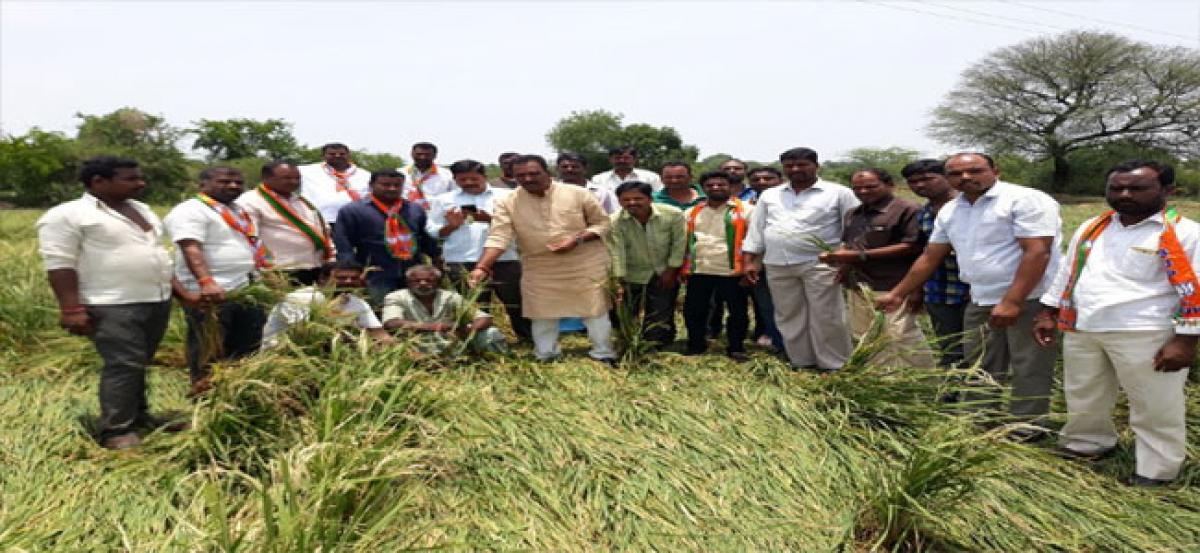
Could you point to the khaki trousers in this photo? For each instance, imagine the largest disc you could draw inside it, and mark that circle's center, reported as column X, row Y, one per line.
column 1011, row 350
column 906, row 344
column 810, row 314
column 1094, row 365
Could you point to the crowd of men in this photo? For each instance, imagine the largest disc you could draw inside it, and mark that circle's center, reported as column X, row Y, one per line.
column 812, row 263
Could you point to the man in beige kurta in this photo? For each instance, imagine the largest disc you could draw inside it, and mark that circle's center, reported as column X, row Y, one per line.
column 558, row 230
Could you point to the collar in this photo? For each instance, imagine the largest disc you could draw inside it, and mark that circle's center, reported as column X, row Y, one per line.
column 787, row 186
column 1157, row 219
column 878, row 207
column 655, row 213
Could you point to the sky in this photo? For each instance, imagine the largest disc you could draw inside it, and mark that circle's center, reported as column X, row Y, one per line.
column 477, row 78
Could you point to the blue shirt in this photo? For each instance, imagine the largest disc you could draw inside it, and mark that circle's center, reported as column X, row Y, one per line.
column 944, row 286
column 359, row 235
column 465, row 244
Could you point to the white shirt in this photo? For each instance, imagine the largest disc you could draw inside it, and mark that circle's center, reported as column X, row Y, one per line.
column 290, row 248
column 984, row 237
column 610, row 180
column 437, row 184
column 606, row 197
column 1124, row 285
column 227, row 253
column 320, row 188
column 116, row 261
column 465, row 244
column 296, row 307
column 784, row 223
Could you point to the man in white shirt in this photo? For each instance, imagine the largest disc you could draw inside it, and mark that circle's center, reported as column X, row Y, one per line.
column 1128, row 322
column 789, row 225
column 291, row 227
column 218, row 251
column 623, row 159
column 298, row 306
column 89, row 246
column 1006, row 238
column 334, row 182
column 424, row 179
column 572, row 169
column 461, row 219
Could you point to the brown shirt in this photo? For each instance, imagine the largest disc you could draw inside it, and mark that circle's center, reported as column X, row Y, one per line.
column 886, row 223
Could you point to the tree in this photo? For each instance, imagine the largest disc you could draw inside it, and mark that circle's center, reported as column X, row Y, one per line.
column 1049, row 97
column 148, row 139
column 592, row 133
column 892, row 159
column 242, row 138
column 38, row 168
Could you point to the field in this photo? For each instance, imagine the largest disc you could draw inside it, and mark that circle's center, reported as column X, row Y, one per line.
column 332, row 446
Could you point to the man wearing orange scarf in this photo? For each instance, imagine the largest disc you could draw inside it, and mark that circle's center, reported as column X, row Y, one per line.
column 1128, row 302
column 333, row 182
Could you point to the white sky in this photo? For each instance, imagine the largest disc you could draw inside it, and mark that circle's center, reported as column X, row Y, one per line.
column 749, row 79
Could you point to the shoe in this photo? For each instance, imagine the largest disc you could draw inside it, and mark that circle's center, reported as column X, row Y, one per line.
column 738, row 356
column 1068, row 453
column 764, row 341
column 199, row 388
column 1028, row 435
column 1140, row 481
column 610, row 361
column 693, row 351
column 122, row 441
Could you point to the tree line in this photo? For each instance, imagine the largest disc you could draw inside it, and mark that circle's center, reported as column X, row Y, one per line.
column 1055, row 111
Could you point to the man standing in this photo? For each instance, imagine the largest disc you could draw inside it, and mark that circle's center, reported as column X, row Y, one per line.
column 678, row 190
column 1006, row 237
column 383, row 234
column 648, row 242
column 572, row 169
column 290, row 227
column 506, row 179
column 218, row 251
column 334, row 182
column 787, row 231
column 425, row 179
column 461, row 219
column 713, row 268
column 945, row 296
column 736, row 169
column 123, row 307
column 765, row 332
column 558, row 230
column 1129, row 303
column 623, row 160
column 762, row 178
column 880, row 243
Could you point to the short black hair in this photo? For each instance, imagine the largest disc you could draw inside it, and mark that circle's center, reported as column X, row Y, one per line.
column 526, row 158
column 765, row 169
column 623, row 149
column 506, row 155
column 467, row 166
column 1166, row 173
column 922, row 166
column 991, row 162
column 800, row 154
column 268, row 168
column 636, row 186
column 209, row 172
column 392, row 173
column 677, row 163
column 571, row 156
column 882, row 174
column 104, row 167
column 334, row 146
column 743, row 164
column 425, row 146
column 718, row 174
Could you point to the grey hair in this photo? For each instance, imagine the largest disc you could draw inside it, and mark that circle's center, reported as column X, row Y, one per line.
column 422, row 269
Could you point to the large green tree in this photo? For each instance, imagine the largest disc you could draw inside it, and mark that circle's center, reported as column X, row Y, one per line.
column 230, row 139
column 38, row 168
column 891, row 159
column 147, row 138
column 1049, row 97
column 591, row 133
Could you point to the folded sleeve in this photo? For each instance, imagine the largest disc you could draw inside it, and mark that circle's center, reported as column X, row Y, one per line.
column 59, row 240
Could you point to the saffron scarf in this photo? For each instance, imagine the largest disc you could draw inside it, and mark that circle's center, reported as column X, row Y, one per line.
column 415, row 194
column 342, row 180
column 735, row 233
column 399, row 237
column 319, row 239
column 1180, row 273
column 241, row 224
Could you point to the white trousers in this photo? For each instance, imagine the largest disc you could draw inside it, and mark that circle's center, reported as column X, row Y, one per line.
column 1094, row 365
column 599, row 329
column 810, row 314
column 906, row 344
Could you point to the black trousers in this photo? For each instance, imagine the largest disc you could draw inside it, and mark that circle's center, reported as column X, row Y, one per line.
column 126, row 337
column 947, row 322
column 303, row 277
column 702, row 292
column 241, row 328
column 506, row 284
column 654, row 306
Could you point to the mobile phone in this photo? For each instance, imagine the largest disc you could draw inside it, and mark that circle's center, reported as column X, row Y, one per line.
column 469, row 209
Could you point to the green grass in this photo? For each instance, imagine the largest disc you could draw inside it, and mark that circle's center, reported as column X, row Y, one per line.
column 362, row 450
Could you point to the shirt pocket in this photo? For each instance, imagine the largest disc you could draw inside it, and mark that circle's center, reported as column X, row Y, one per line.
column 1140, row 262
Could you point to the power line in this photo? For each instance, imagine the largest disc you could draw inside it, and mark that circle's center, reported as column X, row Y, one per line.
column 1104, row 21
column 995, row 16
column 948, row 16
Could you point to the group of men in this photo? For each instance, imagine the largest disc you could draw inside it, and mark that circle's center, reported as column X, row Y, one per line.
column 812, row 260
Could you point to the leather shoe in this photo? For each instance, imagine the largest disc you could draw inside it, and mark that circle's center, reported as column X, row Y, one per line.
column 1140, row 481
column 122, row 441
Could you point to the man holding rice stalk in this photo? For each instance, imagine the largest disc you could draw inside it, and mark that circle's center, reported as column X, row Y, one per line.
column 879, row 245
column 89, row 246
column 218, row 251
column 1128, row 301
column 439, row 318
column 790, row 226
column 290, row 226
column 1006, row 238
